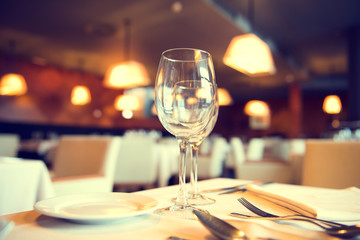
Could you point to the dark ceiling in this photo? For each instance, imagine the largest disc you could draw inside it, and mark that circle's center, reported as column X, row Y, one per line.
column 308, row 38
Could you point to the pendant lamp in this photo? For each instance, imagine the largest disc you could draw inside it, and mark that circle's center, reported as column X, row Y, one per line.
column 12, row 83
column 257, row 108
column 225, row 98
column 332, row 104
column 80, row 94
column 249, row 54
column 127, row 102
column 129, row 73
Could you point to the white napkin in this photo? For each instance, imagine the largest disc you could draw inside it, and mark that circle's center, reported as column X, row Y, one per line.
column 330, row 204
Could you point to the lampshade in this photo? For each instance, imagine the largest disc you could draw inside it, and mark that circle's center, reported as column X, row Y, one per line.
column 127, row 102
column 332, row 104
column 257, row 108
column 250, row 55
column 224, row 97
column 13, row 84
column 80, row 95
column 126, row 74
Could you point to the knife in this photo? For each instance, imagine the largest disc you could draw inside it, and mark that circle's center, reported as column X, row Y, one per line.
column 236, row 188
column 220, row 228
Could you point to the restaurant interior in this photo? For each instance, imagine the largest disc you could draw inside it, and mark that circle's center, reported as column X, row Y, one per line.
column 66, row 112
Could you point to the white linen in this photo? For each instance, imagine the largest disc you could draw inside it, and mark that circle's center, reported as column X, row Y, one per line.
column 33, row 226
column 22, row 184
column 331, row 204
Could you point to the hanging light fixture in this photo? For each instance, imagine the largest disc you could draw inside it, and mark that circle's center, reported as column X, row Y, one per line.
column 225, row 98
column 80, row 95
column 259, row 114
column 249, row 54
column 127, row 102
column 257, row 108
column 332, row 104
column 12, row 83
column 127, row 74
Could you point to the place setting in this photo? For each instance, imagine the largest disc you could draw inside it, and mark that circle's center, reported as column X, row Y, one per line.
column 96, row 208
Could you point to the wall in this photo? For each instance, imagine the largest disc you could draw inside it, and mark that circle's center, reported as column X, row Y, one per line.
column 48, row 103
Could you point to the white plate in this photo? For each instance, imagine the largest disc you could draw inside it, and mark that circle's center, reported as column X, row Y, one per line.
column 96, row 207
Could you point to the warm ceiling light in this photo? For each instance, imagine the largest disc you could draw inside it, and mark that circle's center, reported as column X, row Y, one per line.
column 127, row 74
column 250, row 55
column 13, row 84
column 257, row 108
column 127, row 102
column 332, row 104
column 80, row 95
column 224, row 97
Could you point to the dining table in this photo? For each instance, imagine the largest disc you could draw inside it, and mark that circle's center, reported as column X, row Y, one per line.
column 34, row 225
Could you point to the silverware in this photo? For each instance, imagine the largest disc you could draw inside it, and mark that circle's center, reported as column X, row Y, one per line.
column 236, row 188
column 176, row 238
column 331, row 228
column 299, row 217
column 220, row 228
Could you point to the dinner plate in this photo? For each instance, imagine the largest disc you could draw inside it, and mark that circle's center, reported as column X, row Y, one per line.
column 96, row 207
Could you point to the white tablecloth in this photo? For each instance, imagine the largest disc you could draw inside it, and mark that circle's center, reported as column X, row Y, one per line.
column 23, row 183
column 34, row 226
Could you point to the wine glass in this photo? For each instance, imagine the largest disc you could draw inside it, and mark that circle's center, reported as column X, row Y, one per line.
column 185, row 91
column 194, row 196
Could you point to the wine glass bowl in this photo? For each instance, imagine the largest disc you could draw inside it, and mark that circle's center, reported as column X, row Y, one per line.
column 185, row 91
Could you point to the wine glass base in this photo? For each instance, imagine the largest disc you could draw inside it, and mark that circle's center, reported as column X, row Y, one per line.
column 183, row 212
column 198, row 200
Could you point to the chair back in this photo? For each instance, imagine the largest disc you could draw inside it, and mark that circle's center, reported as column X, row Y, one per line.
column 9, row 145
column 331, row 164
column 211, row 165
column 236, row 155
column 86, row 155
column 137, row 161
column 255, row 150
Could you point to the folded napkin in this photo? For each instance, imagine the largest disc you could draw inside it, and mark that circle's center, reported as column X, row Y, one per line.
column 330, row 204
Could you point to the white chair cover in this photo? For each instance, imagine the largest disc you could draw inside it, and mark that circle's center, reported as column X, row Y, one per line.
column 255, row 150
column 9, row 145
column 211, row 165
column 137, row 162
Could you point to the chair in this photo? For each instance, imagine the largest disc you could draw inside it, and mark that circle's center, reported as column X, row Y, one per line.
column 9, row 145
column 296, row 157
column 137, row 163
column 276, row 169
column 212, row 164
column 22, row 184
column 85, row 164
column 331, row 164
column 255, row 150
column 236, row 155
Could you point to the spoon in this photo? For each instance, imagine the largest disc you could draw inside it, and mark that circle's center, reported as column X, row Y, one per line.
column 220, row 228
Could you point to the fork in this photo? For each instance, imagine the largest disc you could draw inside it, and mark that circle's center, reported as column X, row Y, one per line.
column 325, row 224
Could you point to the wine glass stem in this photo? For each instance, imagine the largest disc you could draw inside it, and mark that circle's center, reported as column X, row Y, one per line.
column 181, row 199
column 193, row 172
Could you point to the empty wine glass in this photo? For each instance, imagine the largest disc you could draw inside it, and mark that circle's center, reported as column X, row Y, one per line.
column 194, row 196
column 185, row 91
